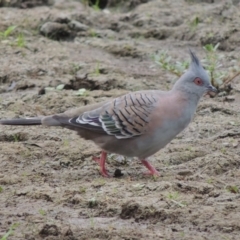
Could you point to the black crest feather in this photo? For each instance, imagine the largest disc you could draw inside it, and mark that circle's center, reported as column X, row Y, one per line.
column 194, row 58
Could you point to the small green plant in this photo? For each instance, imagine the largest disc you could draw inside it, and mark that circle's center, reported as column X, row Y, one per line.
column 74, row 68
column 16, row 137
column 225, row 238
column 164, row 60
column 5, row 34
column 101, row 181
column 92, row 223
column 194, row 23
column 182, row 234
column 232, row 189
column 212, row 63
column 1, row 189
column 85, row 2
column 20, row 40
column 82, row 92
column 96, row 71
column 42, row 212
column 10, row 231
column 92, row 33
column 138, row 186
column 92, row 202
column 82, row 190
column 96, row 5
column 115, row 190
column 223, row 150
column 210, row 180
column 26, row 153
column 173, row 195
column 66, row 143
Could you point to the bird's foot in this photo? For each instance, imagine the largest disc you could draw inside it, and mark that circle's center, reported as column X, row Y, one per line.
column 152, row 170
column 104, row 172
column 101, row 161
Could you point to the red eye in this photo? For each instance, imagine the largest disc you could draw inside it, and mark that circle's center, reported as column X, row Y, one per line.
column 198, row 81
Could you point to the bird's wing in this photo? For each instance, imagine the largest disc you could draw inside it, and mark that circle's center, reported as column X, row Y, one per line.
column 124, row 117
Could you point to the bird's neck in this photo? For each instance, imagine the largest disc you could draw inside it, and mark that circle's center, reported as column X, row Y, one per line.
column 185, row 94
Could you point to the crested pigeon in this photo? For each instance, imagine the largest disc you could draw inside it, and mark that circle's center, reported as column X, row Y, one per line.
column 137, row 124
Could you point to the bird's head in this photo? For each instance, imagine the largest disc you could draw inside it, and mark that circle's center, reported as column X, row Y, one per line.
column 196, row 80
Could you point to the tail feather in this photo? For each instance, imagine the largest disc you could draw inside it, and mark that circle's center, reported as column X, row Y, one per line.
column 51, row 120
column 22, row 121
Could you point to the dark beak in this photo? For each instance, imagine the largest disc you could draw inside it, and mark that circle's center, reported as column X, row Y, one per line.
column 211, row 89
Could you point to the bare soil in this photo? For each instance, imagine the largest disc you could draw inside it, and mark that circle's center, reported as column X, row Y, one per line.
column 50, row 186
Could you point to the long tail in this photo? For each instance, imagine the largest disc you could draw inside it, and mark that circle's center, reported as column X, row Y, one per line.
column 23, row 121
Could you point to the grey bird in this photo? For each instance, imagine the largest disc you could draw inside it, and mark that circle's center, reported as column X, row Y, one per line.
column 137, row 124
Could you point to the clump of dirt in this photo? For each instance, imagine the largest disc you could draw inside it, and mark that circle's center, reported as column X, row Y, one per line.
column 125, row 5
column 25, row 3
column 19, row 136
column 49, row 230
column 55, row 30
column 99, row 83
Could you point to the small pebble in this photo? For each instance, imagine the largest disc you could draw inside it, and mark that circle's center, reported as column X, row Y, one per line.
column 185, row 173
column 229, row 98
column 118, row 173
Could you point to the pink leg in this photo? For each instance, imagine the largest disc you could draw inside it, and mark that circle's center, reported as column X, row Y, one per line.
column 101, row 161
column 152, row 170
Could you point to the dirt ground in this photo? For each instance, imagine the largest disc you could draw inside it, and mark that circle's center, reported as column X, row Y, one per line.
column 50, row 188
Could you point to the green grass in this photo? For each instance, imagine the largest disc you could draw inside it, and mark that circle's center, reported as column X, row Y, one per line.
column 210, row 181
column 74, row 68
column 194, row 23
column 232, row 189
column 92, row 202
column 66, row 143
column 82, row 190
column 5, row 34
column 10, row 231
column 42, row 212
column 94, row 6
column 92, row 33
column 20, row 41
column 97, row 70
column 173, row 195
column 16, row 137
column 174, row 198
column 212, row 63
column 165, row 61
